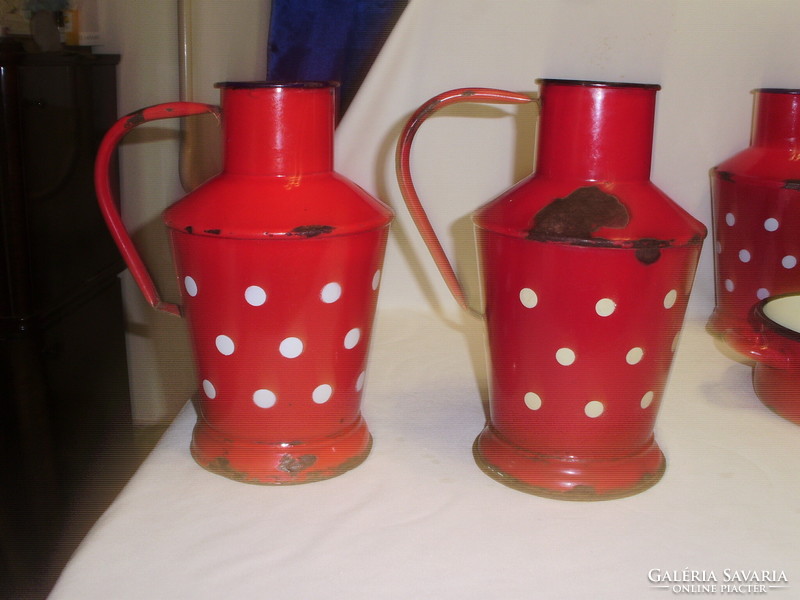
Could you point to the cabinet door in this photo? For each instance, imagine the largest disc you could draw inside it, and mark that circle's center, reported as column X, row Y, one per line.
column 64, row 115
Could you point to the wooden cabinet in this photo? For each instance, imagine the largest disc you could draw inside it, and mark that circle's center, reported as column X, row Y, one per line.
column 64, row 402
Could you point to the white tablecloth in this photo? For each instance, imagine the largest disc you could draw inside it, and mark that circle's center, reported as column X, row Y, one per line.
column 418, row 519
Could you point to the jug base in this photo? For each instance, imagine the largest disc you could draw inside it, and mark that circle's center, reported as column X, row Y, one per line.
column 567, row 479
column 280, row 463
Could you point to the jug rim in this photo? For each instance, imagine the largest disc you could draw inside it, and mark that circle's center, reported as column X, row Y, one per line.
column 761, row 313
column 276, row 84
column 594, row 83
column 770, row 90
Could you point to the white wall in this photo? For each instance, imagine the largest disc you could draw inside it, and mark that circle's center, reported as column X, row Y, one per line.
column 229, row 43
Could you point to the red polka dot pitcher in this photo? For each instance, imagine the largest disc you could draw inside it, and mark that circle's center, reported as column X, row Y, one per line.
column 279, row 261
column 756, row 216
column 587, row 269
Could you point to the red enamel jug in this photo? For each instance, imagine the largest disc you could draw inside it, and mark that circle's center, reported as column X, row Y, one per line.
column 776, row 370
column 756, row 216
column 586, row 273
column 278, row 260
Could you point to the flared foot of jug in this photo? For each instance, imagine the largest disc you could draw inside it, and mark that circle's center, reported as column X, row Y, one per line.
column 568, row 478
column 289, row 463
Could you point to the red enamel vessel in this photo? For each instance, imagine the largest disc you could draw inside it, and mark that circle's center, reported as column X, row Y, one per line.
column 587, row 269
column 756, row 218
column 776, row 352
column 279, row 262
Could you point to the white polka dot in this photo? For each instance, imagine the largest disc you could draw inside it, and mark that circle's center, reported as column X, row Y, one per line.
column 528, row 297
column 376, row 279
column 331, row 292
column 730, row 219
column 352, row 337
column 744, row 256
column 594, row 409
column 670, row 298
column 533, row 401
column 718, row 247
column 255, row 295
column 191, row 286
column 647, row 399
column 264, row 398
column 605, row 307
column 771, row 224
column 762, row 293
column 291, row 347
column 322, row 393
column 360, row 381
column 634, row 355
column 209, row 389
column 225, row 345
column 565, row 356
column 789, row 261
column 729, row 285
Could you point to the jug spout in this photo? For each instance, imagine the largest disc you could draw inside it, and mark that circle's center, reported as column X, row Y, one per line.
column 280, row 129
column 776, row 122
column 595, row 131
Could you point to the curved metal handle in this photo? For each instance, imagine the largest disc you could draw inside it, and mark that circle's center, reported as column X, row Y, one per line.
column 402, row 164
column 108, row 202
column 751, row 343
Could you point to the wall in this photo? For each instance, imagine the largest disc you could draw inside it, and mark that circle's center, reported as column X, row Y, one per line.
column 229, row 43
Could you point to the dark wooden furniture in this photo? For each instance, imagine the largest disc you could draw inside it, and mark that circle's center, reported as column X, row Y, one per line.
column 64, row 402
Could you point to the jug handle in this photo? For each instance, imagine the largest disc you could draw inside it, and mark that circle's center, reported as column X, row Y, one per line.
column 409, row 192
column 109, row 204
column 751, row 343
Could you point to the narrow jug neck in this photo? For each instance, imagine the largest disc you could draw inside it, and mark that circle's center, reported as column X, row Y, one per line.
column 596, row 131
column 776, row 119
column 277, row 128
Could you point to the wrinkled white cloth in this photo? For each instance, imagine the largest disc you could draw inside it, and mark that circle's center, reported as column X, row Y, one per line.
column 418, row 519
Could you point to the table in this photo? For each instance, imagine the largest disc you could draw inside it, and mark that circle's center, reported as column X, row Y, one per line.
column 418, row 519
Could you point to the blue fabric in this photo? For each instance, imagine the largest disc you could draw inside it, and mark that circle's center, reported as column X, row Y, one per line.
column 328, row 40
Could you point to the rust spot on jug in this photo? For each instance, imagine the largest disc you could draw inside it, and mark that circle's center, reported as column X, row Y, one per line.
column 578, row 215
column 648, row 250
column 222, row 466
column 725, row 175
column 213, row 231
column 310, row 231
column 188, row 229
column 293, row 465
column 792, row 184
column 425, row 112
column 134, row 119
